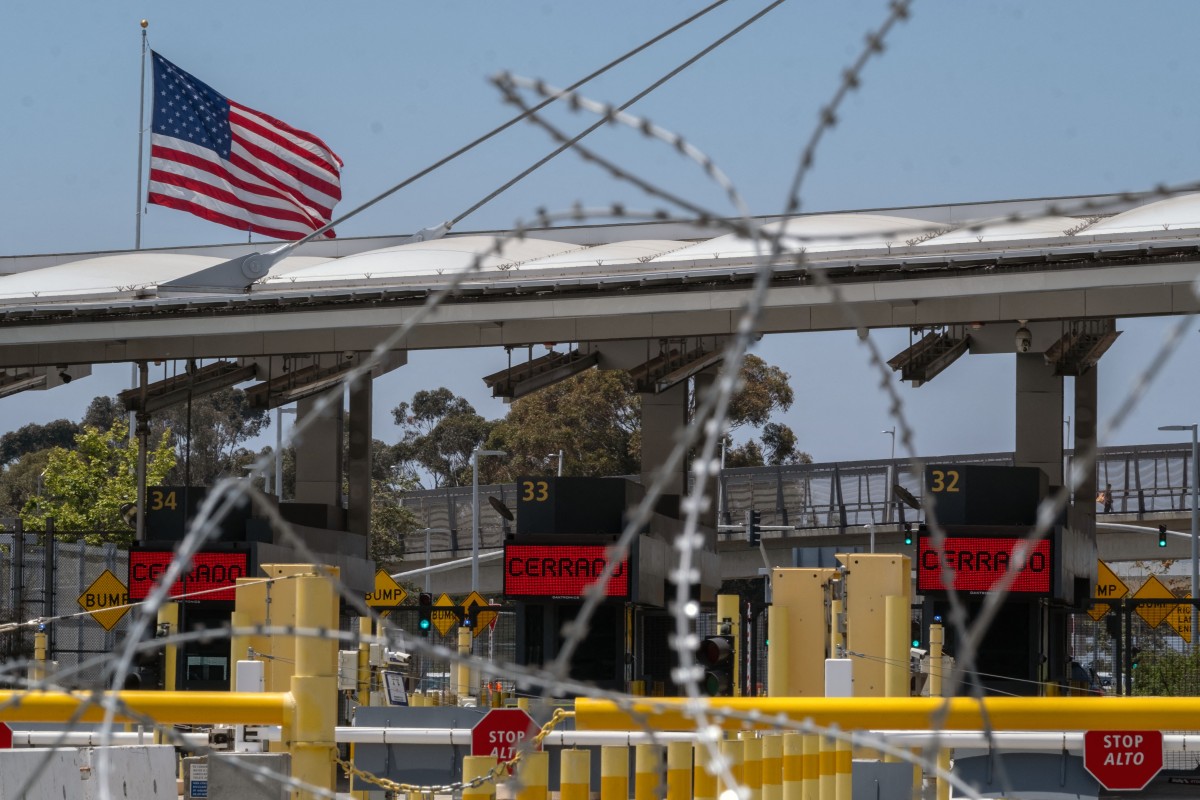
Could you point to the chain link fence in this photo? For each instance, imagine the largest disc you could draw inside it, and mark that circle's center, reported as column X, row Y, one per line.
column 46, row 577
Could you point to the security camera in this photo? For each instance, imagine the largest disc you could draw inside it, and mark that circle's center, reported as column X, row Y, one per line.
column 1024, row 339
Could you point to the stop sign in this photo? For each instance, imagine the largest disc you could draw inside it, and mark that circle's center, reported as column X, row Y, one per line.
column 1123, row 759
column 501, row 732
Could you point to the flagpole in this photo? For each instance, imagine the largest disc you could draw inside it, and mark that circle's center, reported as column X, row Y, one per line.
column 137, row 237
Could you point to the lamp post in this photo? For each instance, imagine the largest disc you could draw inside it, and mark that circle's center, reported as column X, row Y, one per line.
column 475, row 454
column 559, row 456
column 1195, row 525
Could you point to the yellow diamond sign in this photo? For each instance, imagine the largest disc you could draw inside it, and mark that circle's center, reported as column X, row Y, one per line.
column 1108, row 585
column 107, row 599
column 1155, row 589
column 387, row 593
column 484, row 617
column 444, row 620
column 1180, row 620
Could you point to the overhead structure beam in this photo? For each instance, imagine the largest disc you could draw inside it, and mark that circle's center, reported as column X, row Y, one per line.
column 13, row 384
column 293, row 386
column 176, row 389
column 671, row 367
column 538, row 373
column 1082, row 346
column 921, row 361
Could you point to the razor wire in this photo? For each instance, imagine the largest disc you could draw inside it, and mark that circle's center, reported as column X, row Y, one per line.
column 704, row 431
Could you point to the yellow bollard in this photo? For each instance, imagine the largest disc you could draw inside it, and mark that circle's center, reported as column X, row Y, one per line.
column 314, row 685
column 825, row 761
column 366, row 627
column 463, row 688
column 614, row 772
column 811, row 766
column 575, row 770
column 752, row 765
column 647, row 771
column 37, row 667
column 704, row 783
column 532, row 775
column 679, row 771
column 793, row 767
column 477, row 767
column 731, row 750
column 772, row 767
column 843, row 765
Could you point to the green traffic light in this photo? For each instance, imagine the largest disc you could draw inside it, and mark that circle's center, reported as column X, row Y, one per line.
column 424, row 624
column 916, row 643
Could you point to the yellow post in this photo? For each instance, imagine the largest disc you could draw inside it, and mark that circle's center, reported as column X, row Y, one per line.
column 532, row 775
column 37, row 669
column 937, row 638
column 679, row 771
column 943, row 785
column 477, row 767
column 614, row 772
column 810, row 785
column 168, row 614
column 575, row 770
column 366, row 627
column 843, row 764
column 704, row 783
column 793, row 767
column 772, row 767
column 825, row 780
column 729, row 608
column 647, row 771
column 731, row 751
column 752, row 764
column 463, row 688
column 314, row 686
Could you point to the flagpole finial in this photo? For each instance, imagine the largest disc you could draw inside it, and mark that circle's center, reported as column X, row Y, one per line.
column 145, row 24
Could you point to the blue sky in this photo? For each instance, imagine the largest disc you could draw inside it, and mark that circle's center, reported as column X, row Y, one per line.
column 970, row 101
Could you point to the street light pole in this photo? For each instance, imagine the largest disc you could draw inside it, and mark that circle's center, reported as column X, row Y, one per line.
column 475, row 454
column 889, row 491
column 1195, row 525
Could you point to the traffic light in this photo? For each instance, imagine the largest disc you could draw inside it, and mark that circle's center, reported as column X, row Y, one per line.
column 716, row 657
column 753, row 521
column 1162, row 535
column 915, row 630
column 908, row 533
column 1135, row 654
column 425, row 609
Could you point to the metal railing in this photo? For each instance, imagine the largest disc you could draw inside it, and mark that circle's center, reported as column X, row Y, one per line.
column 1143, row 479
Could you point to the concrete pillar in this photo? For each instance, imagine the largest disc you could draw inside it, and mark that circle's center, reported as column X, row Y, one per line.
column 664, row 415
column 358, row 459
column 1039, row 416
column 319, row 455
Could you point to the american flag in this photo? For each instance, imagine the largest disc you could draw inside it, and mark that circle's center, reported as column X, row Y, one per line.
column 230, row 164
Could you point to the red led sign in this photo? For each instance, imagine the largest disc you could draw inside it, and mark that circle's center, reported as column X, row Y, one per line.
column 553, row 570
column 979, row 562
column 209, row 571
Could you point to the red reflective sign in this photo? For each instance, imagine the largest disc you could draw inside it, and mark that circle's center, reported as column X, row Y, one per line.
column 1123, row 760
column 979, row 562
column 552, row 570
column 211, row 577
column 501, row 733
